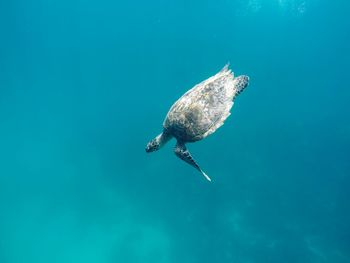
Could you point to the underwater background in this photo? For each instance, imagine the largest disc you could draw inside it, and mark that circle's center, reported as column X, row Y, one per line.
column 84, row 85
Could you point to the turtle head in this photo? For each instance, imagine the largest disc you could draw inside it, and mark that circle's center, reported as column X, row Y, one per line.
column 153, row 145
column 156, row 143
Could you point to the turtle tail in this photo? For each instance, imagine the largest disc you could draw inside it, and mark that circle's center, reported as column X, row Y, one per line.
column 241, row 82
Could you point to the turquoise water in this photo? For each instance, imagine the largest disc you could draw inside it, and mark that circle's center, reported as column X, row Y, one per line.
column 84, row 85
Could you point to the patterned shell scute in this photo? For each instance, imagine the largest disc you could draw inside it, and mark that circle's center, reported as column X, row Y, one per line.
column 202, row 109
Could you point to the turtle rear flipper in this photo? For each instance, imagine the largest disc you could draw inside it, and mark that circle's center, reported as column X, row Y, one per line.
column 241, row 82
column 182, row 152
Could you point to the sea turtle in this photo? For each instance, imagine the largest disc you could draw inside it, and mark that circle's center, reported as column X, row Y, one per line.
column 199, row 113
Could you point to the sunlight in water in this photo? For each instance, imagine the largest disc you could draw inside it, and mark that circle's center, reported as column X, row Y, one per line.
column 297, row 7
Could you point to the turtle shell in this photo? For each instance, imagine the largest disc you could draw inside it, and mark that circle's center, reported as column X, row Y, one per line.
column 202, row 109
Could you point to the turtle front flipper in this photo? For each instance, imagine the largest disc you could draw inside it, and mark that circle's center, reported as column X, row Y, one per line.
column 182, row 152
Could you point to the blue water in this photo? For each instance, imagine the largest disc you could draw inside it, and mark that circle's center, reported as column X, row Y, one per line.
column 84, row 85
